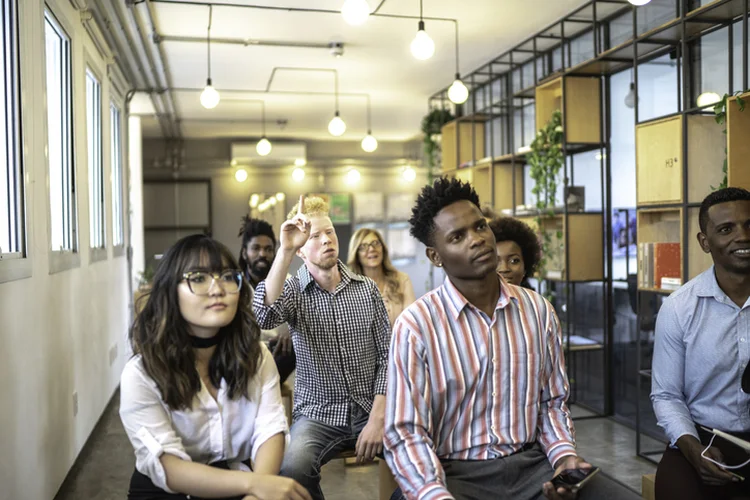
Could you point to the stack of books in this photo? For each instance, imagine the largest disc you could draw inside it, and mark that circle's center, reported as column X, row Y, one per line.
column 659, row 266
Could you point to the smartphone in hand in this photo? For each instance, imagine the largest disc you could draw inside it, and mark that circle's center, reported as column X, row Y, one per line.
column 574, row 479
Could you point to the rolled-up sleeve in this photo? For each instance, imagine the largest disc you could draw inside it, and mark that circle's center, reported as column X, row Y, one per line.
column 556, row 431
column 148, row 425
column 668, row 376
column 381, row 332
column 271, row 416
column 282, row 310
column 409, row 449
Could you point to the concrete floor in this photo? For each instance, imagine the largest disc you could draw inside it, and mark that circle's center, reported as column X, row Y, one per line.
column 103, row 469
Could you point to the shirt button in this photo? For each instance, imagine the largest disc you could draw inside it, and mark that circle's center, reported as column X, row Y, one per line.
column 742, row 339
column 492, row 427
column 493, row 393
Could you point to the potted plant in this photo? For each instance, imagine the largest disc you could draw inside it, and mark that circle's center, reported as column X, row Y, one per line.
column 432, row 125
column 720, row 114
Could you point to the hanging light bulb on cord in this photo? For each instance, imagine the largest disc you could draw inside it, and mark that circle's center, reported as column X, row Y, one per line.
column 457, row 92
column 630, row 98
column 422, row 47
column 336, row 127
column 209, row 97
column 638, row 3
column 263, row 147
column 369, row 143
column 355, row 12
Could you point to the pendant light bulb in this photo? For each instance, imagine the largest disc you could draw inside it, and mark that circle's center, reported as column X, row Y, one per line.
column 422, row 47
column 708, row 99
column 409, row 174
column 369, row 143
column 638, row 3
column 336, row 127
column 458, row 93
column 298, row 174
column 210, row 96
column 263, row 147
column 630, row 98
column 355, row 12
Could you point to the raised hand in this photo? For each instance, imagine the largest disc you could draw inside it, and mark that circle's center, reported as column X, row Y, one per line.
column 296, row 231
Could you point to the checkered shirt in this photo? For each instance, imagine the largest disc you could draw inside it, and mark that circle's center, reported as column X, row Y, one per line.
column 341, row 341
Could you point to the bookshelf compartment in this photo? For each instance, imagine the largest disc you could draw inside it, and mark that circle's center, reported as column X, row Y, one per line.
column 659, row 161
column 698, row 260
column 503, row 186
column 738, row 144
column 659, row 248
column 458, row 147
column 582, row 114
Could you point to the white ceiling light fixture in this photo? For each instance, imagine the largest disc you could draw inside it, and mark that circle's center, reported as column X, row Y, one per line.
column 708, row 99
column 240, row 175
column 369, row 142
column 353, row 176
column 337, row 126
column 254, row 199
column 457, row 92
column 264, row 146
column 210, row 96
column 639, row 3
column 630, row 97
column 300, row 162
column 280, row 196
column 422, row 47
column 355, row 12
column 409, row 174
column 298, row 174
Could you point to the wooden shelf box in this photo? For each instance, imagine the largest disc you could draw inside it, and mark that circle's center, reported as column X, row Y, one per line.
column 585, row 250
column 657, row 226
column 582, row 113
column 738, row 143
column 659, row 159
column 478, row 177
column 457, row 145
column 503, row 186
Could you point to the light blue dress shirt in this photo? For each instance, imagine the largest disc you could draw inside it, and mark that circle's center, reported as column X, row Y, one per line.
column 702, row 347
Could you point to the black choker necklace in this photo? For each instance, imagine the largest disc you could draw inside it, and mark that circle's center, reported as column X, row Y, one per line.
column 201, row 343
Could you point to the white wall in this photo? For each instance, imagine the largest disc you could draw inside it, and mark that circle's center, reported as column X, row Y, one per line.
column 57, row 330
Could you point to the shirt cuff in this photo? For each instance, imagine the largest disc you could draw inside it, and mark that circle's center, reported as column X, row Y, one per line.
column 434, row 491
column 268, row 432
column 150, row 464
column 680, row 430
column 559, row 450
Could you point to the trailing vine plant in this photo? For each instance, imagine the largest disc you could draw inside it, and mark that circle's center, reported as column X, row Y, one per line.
column 720, row 115
column 546, row 159
column 432, row 125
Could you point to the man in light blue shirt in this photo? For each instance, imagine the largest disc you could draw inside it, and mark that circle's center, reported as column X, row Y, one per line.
column 702, row 348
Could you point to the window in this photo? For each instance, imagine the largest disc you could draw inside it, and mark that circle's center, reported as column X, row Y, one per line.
column 118, row 233
column 63, row 211
column 97, row 234
column 12, row 241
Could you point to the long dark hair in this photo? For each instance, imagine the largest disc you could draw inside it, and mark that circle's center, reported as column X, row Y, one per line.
column 160, row 334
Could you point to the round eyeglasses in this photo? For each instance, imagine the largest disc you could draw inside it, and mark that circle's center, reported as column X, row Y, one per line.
column 374, row 244
column 200, row 282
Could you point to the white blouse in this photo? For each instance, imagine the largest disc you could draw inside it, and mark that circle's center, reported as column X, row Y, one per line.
column 212, row 430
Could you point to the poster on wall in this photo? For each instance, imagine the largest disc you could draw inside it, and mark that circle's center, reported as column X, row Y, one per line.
column 339, row 206
column 400, row 205
column 624, row 240
column 368, row 207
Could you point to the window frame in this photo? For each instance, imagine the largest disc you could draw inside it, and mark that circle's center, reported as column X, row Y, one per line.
column 97, row 197
column 63, row 259
column 116, row 127
column 16, row 265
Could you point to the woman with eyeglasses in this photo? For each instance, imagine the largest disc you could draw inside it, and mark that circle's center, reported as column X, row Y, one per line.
column 368, row 256
column 200, row 399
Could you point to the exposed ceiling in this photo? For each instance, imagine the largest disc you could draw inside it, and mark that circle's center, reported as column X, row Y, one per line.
column 376, row 61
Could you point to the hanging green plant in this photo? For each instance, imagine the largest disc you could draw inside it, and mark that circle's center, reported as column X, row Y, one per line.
column 546, row 159
column 720, row 115
column 432, row 125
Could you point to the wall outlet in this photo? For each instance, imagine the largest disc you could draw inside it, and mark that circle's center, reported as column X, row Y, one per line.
column 112, row 354
column 75, row 404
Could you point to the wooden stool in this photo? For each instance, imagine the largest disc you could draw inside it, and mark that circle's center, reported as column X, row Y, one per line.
column 386, row 484
column 647, row 486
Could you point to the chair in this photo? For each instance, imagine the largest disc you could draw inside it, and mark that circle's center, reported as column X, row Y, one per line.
column 386, row 484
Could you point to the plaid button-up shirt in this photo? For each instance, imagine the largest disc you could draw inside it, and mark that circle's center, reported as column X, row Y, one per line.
column 341, row 341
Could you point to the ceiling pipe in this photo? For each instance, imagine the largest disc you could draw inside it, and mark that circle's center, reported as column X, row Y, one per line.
column 247, row 42
column 162, row 65
column 137, row 71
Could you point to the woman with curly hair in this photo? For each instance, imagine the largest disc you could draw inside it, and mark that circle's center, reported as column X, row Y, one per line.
column 368, row 256
column 518, row 250
column 200, row 399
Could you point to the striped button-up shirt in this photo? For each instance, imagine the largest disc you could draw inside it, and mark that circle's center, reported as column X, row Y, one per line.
column 466, row 386
column 340, row 340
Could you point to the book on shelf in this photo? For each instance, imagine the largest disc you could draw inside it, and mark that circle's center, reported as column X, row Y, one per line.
column 659, row 265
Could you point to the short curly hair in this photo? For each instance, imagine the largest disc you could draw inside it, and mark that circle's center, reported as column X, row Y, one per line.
column 443, row 192
column 720, row 196
column 312, row 206
column 510, row 229
column 249, row 229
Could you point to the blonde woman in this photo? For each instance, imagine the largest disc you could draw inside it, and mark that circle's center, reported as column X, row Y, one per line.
column 368, row 256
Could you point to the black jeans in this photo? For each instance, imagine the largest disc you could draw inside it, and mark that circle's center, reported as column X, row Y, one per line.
column 142, row 488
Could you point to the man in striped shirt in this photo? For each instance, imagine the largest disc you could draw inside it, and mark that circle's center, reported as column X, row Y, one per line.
column 477, row 389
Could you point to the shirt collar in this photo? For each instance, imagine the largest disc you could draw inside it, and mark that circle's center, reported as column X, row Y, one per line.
column 707, row 285
column 457, row 302
column 347, row 276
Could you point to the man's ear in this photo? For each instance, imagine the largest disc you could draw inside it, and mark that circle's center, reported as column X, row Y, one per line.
column 301, row 255
column 434, row 257
column 703, row 242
